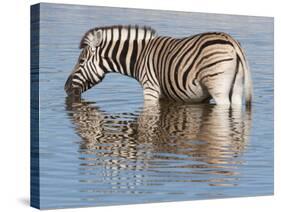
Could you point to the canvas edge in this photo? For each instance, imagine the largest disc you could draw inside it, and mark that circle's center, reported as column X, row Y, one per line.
column 34, row 106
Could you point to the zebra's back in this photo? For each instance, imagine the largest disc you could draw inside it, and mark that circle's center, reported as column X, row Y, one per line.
column 181, row 67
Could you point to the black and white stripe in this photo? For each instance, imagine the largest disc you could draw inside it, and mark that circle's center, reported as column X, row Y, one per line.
column 190, row 69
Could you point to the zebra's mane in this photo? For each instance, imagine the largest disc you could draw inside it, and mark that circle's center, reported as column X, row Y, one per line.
column 89, row 34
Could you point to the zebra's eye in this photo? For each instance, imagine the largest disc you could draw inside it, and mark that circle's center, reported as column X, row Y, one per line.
column 82, row 60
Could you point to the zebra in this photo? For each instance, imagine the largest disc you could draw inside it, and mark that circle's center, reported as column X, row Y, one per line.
column 192, row 69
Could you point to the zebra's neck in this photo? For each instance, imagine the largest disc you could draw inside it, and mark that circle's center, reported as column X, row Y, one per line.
column 122, row 47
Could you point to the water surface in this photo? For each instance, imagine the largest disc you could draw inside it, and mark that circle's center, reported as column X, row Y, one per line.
column 111, row 149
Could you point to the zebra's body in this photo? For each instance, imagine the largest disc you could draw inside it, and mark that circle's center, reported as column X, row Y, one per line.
column 190, row 69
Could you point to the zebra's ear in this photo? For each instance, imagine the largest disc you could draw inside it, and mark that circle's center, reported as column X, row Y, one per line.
column 92, row 38
column 97, row 38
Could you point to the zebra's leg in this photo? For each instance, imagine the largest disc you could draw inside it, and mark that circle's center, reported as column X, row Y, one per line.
column 221, row 98
column 218, row 81
column 151, row 93
column 237, row 89
column 151, row 97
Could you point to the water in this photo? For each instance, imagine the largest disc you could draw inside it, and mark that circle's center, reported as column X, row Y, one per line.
column 110, row 149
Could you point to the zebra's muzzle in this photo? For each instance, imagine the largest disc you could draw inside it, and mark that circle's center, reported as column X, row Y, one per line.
column 69, row 89
column 68, row 85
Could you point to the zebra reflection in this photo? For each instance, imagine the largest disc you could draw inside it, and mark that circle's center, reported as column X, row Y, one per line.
column 163, row 139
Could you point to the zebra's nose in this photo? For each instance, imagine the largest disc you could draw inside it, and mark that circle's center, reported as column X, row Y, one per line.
column 70, row 89
column 68, row 85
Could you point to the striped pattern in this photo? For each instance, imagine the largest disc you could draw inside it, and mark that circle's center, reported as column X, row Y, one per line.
column 172, row 128
column 192, row 69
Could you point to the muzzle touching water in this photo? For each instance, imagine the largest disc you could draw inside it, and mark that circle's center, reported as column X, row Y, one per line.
column 67, row 85
column 70, row 89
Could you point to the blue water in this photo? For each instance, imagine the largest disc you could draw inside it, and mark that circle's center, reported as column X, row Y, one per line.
column 110, row 150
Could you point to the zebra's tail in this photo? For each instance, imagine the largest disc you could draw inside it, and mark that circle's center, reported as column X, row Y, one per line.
column 248, row 88
column 248, row 85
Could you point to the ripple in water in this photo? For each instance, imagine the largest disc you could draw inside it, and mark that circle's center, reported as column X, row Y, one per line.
column 163, row 143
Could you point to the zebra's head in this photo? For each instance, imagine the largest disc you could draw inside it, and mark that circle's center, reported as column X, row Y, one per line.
column 86, row 72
